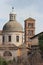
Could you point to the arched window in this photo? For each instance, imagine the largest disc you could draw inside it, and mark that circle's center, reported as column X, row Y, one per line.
column 7, row 53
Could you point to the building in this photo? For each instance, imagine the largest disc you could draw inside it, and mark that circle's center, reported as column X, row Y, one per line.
column 30, row 38
column 12, row 42
column 11, row 37
column 34, row 39
column 29, row 30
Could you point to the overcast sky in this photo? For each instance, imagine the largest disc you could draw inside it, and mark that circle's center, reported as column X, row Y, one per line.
column 24, row 9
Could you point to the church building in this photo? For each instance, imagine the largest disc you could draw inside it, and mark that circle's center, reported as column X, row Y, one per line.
column 11, row 37
column 12, row 41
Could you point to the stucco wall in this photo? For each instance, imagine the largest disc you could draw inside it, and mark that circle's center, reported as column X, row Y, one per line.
column 13, row 38
column 0, row 39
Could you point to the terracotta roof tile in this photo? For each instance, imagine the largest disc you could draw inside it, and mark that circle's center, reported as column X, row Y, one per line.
column 30, row 19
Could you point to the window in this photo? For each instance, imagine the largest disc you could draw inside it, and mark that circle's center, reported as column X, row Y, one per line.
column 3, row 38
column 7, row 53
column 17, row 38
column 30, row 32
column 30, row 25
column 9, row 38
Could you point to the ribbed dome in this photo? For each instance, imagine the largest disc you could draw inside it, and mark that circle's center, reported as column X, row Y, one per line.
column 12, row 26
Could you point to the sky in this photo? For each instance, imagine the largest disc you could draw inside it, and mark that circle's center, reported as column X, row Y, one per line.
column 24, row 9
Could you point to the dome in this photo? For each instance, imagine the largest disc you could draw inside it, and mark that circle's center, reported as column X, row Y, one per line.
column 12, row 26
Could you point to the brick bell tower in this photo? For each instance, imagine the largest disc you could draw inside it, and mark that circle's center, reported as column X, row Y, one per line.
column 29, row 30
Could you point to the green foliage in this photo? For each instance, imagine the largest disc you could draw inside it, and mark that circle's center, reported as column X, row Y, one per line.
column 3, row 62
column 41, row 43
column 10, row 62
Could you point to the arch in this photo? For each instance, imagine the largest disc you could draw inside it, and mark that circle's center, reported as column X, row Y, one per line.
column 7, row 53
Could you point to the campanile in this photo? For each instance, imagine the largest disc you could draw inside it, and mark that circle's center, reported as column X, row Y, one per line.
column 29, row 29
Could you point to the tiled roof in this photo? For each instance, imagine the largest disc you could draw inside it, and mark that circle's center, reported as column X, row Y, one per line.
column 36, row 35
column 30, row 19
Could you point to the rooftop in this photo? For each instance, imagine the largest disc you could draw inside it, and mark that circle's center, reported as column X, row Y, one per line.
column 30, row 19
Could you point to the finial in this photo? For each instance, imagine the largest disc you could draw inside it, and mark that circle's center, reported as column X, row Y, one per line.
column 12, row 9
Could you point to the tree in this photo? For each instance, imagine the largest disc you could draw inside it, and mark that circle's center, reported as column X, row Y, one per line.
column 3, row 62
column 41, row 44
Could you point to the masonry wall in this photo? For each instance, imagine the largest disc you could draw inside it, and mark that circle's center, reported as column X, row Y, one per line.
column 34, row 41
